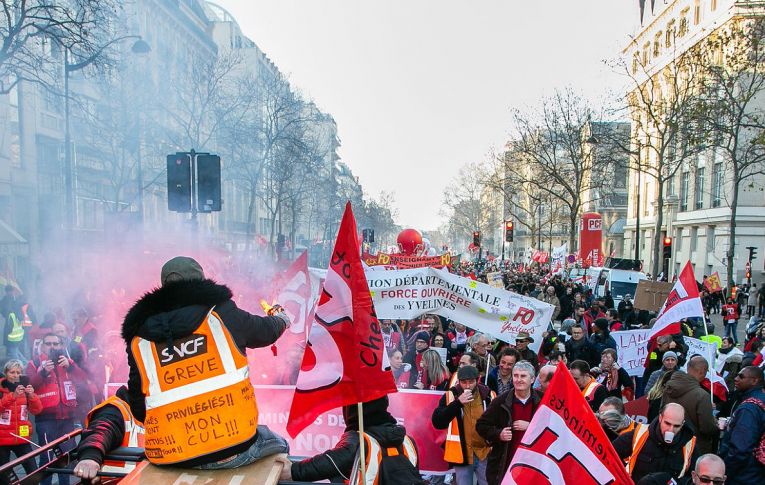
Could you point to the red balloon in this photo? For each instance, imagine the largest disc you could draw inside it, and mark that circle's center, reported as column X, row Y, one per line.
column 409, row 241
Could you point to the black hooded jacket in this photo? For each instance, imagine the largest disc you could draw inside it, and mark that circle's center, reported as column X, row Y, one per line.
column 174, row 311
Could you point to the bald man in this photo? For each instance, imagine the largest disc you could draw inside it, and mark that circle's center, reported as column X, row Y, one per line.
column 666, row 445
column 710, row 468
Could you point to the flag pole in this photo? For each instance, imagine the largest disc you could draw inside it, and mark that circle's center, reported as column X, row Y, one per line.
column 711, row 365
column 362, row 456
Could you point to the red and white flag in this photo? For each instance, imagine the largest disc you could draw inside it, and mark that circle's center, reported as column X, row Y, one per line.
column 565, row 443
column 682, row 302
column 345, row 361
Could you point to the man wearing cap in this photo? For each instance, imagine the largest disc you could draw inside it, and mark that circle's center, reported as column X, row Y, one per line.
column 189, row 382
column 522, row 342
column 669, row 362
column 457, row 412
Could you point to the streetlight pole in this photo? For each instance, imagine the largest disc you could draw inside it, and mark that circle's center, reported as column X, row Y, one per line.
column 70, row 204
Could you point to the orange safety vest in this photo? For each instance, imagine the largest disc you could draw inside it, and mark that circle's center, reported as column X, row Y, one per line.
column 453, row 443
column 638, row 441
column 373, row 454
column 589, row 391
column 199, row 399
column 133, row 437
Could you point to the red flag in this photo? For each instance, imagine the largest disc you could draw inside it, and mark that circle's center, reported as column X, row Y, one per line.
column 344, row 362
column 712, row 283
column 682, row 302
column 564, row 442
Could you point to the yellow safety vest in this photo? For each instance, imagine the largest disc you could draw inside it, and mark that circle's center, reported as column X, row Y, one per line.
column 638, row 441
column 133, row 437
column 199, row 399
column 453, row 444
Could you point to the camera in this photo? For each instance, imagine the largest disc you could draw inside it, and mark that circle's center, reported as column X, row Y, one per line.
column 23, row 382
column 54, row 355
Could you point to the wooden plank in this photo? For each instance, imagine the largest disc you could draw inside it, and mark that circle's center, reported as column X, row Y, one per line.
column 263, row 472
column 651, row 295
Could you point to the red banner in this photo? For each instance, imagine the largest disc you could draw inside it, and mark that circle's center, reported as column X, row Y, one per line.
column 402, row 261
column 412, row 409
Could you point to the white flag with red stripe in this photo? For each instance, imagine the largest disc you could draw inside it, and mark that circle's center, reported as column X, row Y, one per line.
column 682, row 302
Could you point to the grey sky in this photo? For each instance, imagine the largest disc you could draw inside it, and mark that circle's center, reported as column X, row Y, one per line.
column 420, row 87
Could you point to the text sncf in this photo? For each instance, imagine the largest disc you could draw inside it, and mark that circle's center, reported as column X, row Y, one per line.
column 182, row 349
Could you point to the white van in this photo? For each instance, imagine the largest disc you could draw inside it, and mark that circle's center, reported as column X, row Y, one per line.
column 621, row 282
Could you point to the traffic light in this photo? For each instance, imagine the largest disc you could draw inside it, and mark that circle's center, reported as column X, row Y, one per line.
column 667, row 248
column 477, row 238
column 179, row 182
column 208, row 183
column 749, row 275
column 509, row 231
column 752, row 252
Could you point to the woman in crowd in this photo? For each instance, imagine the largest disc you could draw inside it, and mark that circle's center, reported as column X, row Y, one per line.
column 433, row 373
column 655, row 394
column 400, row 369
column 17, row 401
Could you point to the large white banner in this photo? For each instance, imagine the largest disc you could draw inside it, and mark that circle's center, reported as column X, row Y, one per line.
column 410, row 293
column 631, row 350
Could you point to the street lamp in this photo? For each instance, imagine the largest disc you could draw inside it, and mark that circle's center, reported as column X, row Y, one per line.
column 139, row 47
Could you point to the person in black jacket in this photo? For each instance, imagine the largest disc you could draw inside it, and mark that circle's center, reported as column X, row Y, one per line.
column 337, row 463
column 506, row 419
column 663, row 451
column 578, row 347
column 175, row 311
column 467, row 402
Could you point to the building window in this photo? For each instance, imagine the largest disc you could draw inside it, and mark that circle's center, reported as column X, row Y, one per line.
column 645, row 199
column 671, row 186
column 657, row 44
column 668, row 36
column 696, row 12
column 635, row 62
column 646, row 53
column 683, row 23
column 684, row 186
column 717, row 178
column 699, row 189
column 714, row 5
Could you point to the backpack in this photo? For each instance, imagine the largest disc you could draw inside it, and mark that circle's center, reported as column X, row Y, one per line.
column 396, row 469
column 759, row 451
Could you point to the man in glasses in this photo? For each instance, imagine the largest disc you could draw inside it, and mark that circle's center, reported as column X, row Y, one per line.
column 710, row 469
column 745, row 430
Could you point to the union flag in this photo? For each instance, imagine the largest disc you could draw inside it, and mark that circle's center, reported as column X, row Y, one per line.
column 564, row 442
column 345, row 361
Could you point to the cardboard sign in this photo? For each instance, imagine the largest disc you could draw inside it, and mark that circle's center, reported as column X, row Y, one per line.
column 651, row 295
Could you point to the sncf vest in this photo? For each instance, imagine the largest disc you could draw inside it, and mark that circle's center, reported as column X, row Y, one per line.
column 199, row 399
column 133, row 437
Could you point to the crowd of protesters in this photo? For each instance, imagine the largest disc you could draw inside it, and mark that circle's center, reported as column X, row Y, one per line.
column 690, row 437
column 55, row 373
column 57, row 370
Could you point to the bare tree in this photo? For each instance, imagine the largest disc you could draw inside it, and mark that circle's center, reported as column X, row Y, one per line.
column 663, row 108
column 733, row 110
column 33, row 34
column 466, row 205
column 551, row 156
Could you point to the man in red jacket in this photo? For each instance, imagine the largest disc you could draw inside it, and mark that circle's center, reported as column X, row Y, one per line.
column 731, row 313
column 54, row 377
